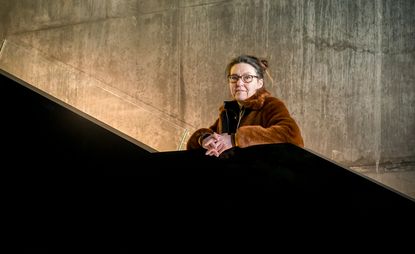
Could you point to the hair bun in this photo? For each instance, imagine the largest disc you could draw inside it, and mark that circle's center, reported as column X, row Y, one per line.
column 264, row 64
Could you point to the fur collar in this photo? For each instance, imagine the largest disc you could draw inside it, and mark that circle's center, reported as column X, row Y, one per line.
column 254, row 102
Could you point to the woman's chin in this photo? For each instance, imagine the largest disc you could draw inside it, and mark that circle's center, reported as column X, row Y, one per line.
column 240, row 97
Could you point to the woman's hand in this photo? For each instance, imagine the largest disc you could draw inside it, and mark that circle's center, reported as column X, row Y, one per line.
column 215, row 144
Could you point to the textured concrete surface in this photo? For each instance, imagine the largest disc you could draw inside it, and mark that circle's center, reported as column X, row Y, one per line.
column 93, row 97
column 344, row 68
column 399, row 177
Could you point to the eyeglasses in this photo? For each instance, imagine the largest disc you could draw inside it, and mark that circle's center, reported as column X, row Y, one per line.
column 246, row 78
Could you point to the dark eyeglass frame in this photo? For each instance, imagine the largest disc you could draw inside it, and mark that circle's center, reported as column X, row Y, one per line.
column 246, row 78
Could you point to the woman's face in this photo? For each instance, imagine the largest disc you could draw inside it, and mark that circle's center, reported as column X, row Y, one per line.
column 240, row 89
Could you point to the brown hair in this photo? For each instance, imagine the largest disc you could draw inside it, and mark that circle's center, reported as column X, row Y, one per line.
column 260, row 65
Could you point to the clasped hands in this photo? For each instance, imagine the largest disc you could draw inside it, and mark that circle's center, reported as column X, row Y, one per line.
column 215, row 144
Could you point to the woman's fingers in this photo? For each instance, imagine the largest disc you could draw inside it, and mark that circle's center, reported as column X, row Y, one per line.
column 216, row 144
column 211, row 152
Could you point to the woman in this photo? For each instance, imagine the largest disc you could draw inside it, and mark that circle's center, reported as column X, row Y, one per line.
column 254, row 116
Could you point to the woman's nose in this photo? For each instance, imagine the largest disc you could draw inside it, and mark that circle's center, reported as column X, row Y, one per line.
column 240, row 82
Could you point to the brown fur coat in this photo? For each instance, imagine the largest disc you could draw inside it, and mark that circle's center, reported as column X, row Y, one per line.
column 264, row 120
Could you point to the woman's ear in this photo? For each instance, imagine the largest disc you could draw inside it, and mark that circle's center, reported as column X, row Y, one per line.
column 260, row 83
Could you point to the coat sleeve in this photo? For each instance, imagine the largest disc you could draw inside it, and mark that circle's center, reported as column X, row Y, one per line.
column 193, row 141
column 275, row 125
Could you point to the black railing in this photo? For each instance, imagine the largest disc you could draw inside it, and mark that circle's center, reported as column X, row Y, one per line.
column 61, row 155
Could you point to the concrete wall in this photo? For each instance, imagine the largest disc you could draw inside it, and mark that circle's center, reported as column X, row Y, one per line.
column 155, row 69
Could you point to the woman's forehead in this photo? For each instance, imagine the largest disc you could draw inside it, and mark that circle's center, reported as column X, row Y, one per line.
column 242, row 67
